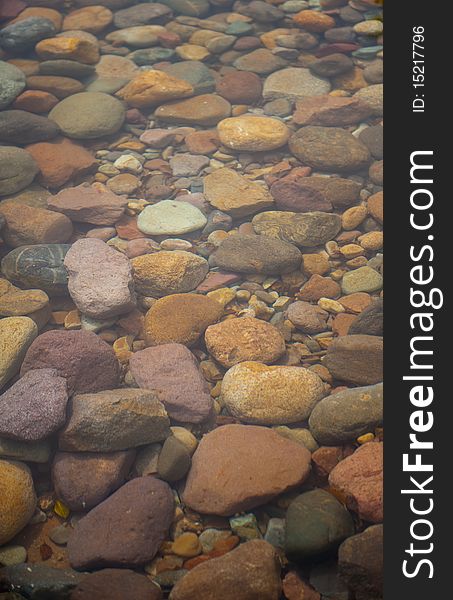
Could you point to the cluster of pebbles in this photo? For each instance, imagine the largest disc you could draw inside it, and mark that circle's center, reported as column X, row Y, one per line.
column 191, row 242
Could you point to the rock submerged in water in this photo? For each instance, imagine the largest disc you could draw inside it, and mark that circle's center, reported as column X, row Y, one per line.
column 17, row 170
column 18, row 498
column 16, row 336
column 113, row 535
column 248, row 475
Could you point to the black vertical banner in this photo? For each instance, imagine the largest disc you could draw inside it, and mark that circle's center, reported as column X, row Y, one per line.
column 418, row 129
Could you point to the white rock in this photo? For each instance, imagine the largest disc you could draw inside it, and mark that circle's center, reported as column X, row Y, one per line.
column 170, row 217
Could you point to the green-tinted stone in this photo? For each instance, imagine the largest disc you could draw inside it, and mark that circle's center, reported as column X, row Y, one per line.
column 316, row 524
column 149, row 56
column 37, row 452
column 246, row 527
column 239, row 28
column 39, row 266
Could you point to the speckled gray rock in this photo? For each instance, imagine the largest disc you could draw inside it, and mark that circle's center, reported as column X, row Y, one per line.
column 114, row 535
column 344, row 416
column 302, row 229
column 22, row 36
column 257, row 254
column 34, row 407
column 39, row 266
column 12, row 82
column 114, row 420
column 17, row 168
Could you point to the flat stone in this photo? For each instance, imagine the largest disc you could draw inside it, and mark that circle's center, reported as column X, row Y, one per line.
column 141, row 14
column 344, row 416
column 34, row 452
column 114, row 420
column 35, row 101
column 180, row 318
column 19, row 266
column 112, row 534
column 151, row 88
column 116, row 584
column 261, row 395
column 170, row 217
column 356, row 359
column 18, row 499
column 234, row 194
column 172, row 371
column 329, row 149
column 373, row 138
column 16, row 336
column 12, row 83
column 22, row 127
column 359, row 478
column 17, row 170
column 318, row 287
column 100, row 279
column 331, row 111
column 205, row 110
column 244, row 339
column 84, row 479
column 35, row 579
column 61, row 160
column 66, row 68
column 190, row 8
column 291, row 194
column 371, row 320
column 316, row 524
column 89, row 204
column 87, row 362
column 26, row 225
column 363, row 279
column 257, row 254
column 261, row 61
column 360, row 562
column 314, row 21
column 251, row 570
column 168, row 272
column 331, row 65
column 140, row 36
column 88, row 115
column 34, row 407
column 294, row 84
column 248, row 475
column 61, row 87
column 188, row 165
column 302, row 229
column 253, row 133
column 336, row 190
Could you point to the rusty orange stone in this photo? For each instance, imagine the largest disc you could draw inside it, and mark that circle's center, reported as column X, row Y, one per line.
column 314, row 21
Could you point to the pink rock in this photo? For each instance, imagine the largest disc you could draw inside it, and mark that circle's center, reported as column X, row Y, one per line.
column 89, row 204
column 217, row 279
column 360, row 478
column 173, row 372
column 141, row 246
column 238, row 467
column 100, row 279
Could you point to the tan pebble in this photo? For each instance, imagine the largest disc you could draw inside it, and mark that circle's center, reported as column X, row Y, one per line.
column 223, row 295
column 243, row 295
column 351, row 250
column 374, row 240
column 322, row 372
column 192, row 52
column 72, row 320
column 331, row 305
column 358, row 261
column 187, row 545
column 186, row 437
column 217, row 237
column 315, row 264
column 352, row 217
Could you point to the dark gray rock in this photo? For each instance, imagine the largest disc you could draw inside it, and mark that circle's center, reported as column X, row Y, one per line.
column 24, row 35
column 22, row 127
column 39, row 582
column 174, row 460
column 371, row 320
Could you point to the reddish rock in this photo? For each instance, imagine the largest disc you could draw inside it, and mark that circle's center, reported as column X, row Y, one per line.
column 291, row 194
column 89, row 204
column 216, row 280
column 338, row 47
column 84, row 479
column 330, row 111
column 10, row 9
column 258, row 466
column 240, row 87
column 88, row 363
column 342, row 322
column 173, row 372
column 116, row 584
column 326, row 458
column 61, row 160
column 35, row 101
column 295, row 588
column 61, row 87
column 319, row 287
column 307, row 317
column 360, row 478
column 202, row 142
column 126, row 529
column 250, row 572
